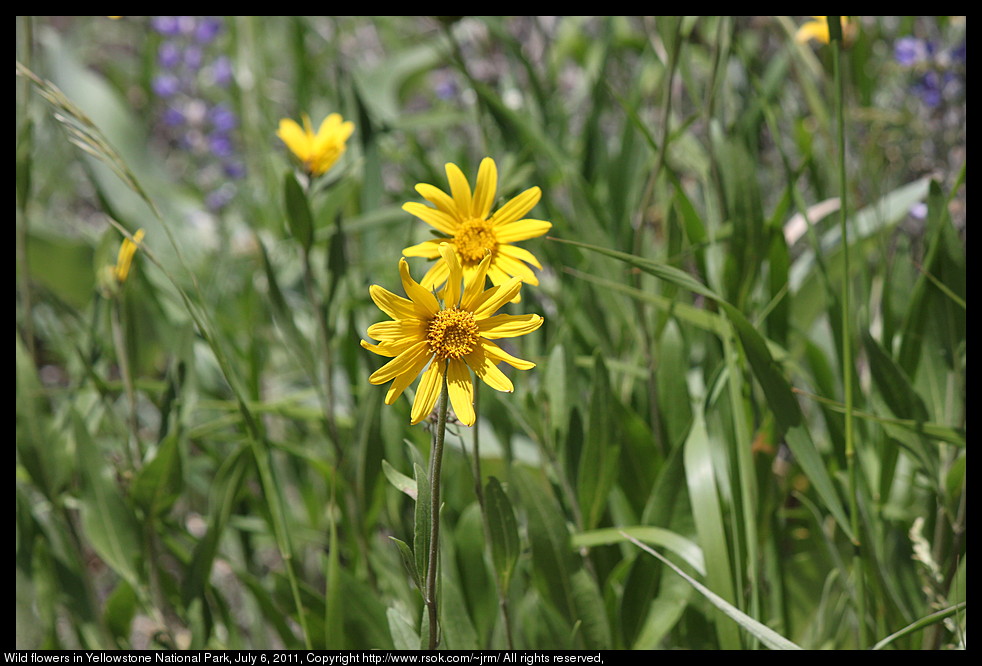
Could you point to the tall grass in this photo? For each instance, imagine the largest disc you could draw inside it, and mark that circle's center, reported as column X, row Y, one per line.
column 747, row 424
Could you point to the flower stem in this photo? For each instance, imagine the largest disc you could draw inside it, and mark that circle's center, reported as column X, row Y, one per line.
column 436, row 462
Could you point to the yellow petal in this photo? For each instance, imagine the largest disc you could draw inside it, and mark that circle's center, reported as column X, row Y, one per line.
column 521, row 230
column 438, row 219
column 424, row 302
column 508, row 326
column 451, row 295
column 440, row 199
column 294, row 137
column 495, row 297
column 400, row 364
column 485, row 368
column 395, row 331
column 124, row 259
column 517, row 207
column 484, row 191
column 515, row 268
column 428, row 391
column 428, row 249
column 437, row 274
column 461, row 390
column 389, row 349
column 400, row 382
column 396, row 307
column 474, row 284
column 519, row 253
column 459, row 188
column 818, row 30
column 497, row 354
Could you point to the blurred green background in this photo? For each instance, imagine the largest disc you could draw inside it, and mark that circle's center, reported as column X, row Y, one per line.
column 202, row 463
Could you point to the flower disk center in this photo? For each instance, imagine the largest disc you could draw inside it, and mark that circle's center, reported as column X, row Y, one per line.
column 473, row 238
column 452, row 333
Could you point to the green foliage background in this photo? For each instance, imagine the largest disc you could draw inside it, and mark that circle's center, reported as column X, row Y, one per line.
column 237, row 483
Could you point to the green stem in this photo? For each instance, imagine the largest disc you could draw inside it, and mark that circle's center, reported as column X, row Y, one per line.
column 132, row 449
column 436, row 462
column 835, row 33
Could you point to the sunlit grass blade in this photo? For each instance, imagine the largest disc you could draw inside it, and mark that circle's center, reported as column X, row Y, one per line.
column 762, row 632
column 920, row 624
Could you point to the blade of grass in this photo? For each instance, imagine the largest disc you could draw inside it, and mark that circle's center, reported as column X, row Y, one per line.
column 765, row 634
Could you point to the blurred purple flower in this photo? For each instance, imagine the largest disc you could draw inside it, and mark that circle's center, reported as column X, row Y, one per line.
column 221, row 71
column 208, row 28
column 185, row 24
column 234, row 169
column 221, row 144
column 958, row 53
column 193, row 57
column 166, row 85
column 909, row 51
column 218, row 199
column 165, row 25
column 169, row 55
column 191, row 71
column 172, row 117
column 223, row 118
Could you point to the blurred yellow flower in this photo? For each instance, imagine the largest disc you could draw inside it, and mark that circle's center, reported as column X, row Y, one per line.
column 316, row 152
column 451, row 336
column 465, row 217
column 125, row 257
column 819, row 30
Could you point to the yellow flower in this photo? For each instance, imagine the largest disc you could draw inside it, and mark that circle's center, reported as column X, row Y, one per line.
column 317, row 152
column 819, row 30
column 472, row 230
column 125, row 258
column 451, row 337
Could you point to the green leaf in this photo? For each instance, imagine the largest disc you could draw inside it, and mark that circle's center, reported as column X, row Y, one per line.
column 119, row 610
column 404, row 636
column 334, row 599
column 762, row 632
column 678, row 544
column 503, row 529
column 806, row 455
column 552, row 558
column 401, row 482
column 298, row 215
column 590, row 610
column 421, row 537
column 893, row 383
column 456, row 629
column 107, row 518
column 707, row 512
column 409, row 562
column 159, row 483
column 600, row 454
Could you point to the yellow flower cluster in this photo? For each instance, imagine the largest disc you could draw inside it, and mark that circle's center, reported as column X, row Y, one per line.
column 446, row 325
column 446, row 333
